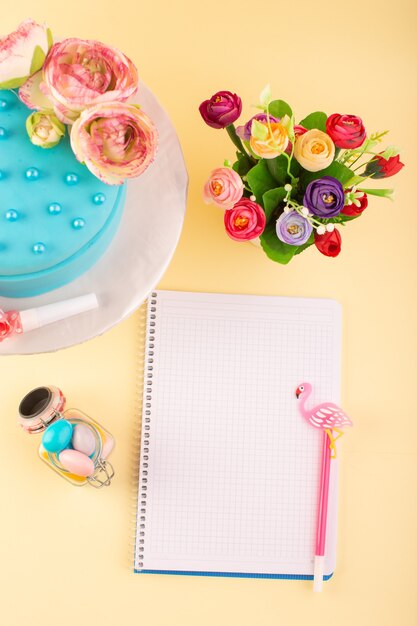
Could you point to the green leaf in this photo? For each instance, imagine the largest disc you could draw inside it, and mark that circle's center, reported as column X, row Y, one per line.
column 335, row 169
column 342, row 218
column 49, row 38
column 259, row 131
column 355, row 180
column 274, row 248
column 37, row 60
column 265, row 96
column 306, row 245
column 315, row 120
column 279, row 108
column 288, row 123
column 278, row 168
column 260, row 180
column 13, row 83
column 295, row 168
column 382, row 193
column 242, row 165
column 271, row 200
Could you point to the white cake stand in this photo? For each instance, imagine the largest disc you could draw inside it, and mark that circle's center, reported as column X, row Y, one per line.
column 136, row 259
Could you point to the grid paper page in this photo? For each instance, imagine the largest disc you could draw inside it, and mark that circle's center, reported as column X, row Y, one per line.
column 232, row 469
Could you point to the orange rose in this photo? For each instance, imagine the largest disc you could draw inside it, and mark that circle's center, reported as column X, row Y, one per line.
column 270, row 142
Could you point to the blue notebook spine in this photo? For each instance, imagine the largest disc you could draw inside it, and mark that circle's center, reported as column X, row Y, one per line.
column 231, row 574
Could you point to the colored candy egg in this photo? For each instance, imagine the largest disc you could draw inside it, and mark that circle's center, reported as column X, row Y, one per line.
column 83, row 439
column 76, row 462
column 57, row 436
column 108, row 446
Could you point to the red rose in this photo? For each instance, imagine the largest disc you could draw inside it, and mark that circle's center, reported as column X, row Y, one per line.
column 221, row 110
column 347, row 131
column 352, row 209
column 245, row 221
column 299, row 130
column 328, row 244
column 384, row 168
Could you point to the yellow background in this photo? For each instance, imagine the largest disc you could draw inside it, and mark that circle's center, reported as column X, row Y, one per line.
column 65, row 551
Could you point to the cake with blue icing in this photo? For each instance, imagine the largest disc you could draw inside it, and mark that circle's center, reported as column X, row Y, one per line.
column 57, row 218
column 69, row 140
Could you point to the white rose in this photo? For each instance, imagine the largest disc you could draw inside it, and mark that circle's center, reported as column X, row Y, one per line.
column 22, row 53
column 314, row 150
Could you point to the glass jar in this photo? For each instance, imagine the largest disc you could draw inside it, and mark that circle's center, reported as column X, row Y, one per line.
column 73, row 444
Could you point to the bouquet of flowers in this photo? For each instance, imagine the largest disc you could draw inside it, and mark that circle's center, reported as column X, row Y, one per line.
column 82, row 86
column 292, row 185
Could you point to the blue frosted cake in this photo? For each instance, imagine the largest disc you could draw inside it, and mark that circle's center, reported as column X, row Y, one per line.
column 69, row 139
column 57, row 218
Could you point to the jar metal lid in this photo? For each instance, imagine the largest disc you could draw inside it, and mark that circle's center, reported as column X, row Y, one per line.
column 39, row 408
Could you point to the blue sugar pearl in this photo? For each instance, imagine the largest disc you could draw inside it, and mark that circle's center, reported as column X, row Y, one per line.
column 39, row 248
column 12, row 215
column 71, row 179
column 99, row 198
column 3, row 105
column 32, row 173
column 54, row 208
column 78, row 223
column 3, row 133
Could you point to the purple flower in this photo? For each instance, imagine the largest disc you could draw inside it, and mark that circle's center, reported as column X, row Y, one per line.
column 221, row 110
column 293, row 228
column 244, row 132
column 324, row 197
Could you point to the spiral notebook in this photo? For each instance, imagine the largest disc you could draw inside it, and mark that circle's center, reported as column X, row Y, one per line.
column 229, row 470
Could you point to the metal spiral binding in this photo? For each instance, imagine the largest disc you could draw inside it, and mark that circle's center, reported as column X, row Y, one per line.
column 135, row 435
column 146, row 429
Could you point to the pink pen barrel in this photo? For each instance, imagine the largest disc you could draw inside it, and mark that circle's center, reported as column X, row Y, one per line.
column 323, row 496
column 322, row 513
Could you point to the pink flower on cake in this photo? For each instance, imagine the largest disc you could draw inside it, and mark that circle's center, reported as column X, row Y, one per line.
column 22, row 53
column 44, row 129
column 115, row 141
column 245, row 221
column 224, row 188
column 80, row 73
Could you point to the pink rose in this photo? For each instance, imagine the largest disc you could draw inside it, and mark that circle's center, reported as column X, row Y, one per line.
column 224, row 188
column 80, row 73
column 115, row 141
column 22, row 53
column 245, row 221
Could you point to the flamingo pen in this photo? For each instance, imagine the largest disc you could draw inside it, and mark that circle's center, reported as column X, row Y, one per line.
column 330, row 419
